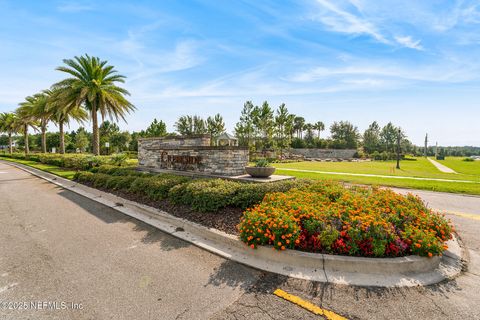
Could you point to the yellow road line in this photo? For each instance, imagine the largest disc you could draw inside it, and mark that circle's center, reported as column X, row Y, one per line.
column 464, row 215
column 308, row 306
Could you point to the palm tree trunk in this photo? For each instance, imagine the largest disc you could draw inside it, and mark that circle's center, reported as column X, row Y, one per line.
column 62, row 137
column 25, row 130
column 96, row 137
column 44, row 137
column 10, row 142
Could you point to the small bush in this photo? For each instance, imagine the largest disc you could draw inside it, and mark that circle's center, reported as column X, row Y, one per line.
column 119, row 159
column 120, row 182
column 83, row 176
column 262, row 163
column 120, row 171
column 155, row 187
column 468, row 159
column 101, row 180
column 205, row 195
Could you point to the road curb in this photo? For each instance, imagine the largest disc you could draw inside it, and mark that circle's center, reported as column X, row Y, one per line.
column 379, row 272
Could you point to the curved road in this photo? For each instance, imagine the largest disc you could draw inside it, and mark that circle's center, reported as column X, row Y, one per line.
column 58, row 247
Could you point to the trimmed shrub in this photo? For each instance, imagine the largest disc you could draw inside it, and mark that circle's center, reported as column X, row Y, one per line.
column 120, row 182
column 100, row 180
column 159, row 186
column 205, row 195
column 120, row 171
column 83, row 176
column 156, row 187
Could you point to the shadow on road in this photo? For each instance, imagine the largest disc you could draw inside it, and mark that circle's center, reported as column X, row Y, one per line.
column 109, row 215
column 153, row 236
column 234, row 274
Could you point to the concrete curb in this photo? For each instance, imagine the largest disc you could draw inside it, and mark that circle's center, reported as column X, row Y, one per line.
column 379, row 272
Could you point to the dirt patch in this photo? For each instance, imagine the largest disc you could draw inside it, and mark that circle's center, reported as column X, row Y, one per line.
column 225, row 219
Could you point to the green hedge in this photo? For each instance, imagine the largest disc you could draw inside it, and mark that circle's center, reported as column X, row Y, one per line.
column 71, row 161
column 120, row 171
column 204, row 195
column 154, row 187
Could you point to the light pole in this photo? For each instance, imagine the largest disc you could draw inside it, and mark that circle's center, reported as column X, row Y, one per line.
column 107, row 145
column 398, row 148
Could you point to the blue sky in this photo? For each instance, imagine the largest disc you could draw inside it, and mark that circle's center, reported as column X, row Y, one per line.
column 415, row 63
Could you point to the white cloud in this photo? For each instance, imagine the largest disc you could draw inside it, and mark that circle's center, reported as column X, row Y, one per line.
column 408, row 42
column 446, row 71
column 345, row 22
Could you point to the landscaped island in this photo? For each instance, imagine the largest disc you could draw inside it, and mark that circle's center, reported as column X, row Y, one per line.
column 315, row 216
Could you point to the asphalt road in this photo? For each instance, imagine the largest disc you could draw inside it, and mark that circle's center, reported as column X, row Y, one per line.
column 56, row 246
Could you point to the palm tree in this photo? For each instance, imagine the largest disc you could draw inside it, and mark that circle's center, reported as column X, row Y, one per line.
column 298, row 126
column 25, row 117
column 319, row 126
column 40, row 111
column 92, row 85
column 61, row 115
column 7, row 124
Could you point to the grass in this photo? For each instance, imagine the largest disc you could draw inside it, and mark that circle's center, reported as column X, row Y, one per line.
column 419, row 168
column 61, row 172
column 460, row 166
column 454, row 187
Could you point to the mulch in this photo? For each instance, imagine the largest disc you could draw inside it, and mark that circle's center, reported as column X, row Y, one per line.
column 225, row 219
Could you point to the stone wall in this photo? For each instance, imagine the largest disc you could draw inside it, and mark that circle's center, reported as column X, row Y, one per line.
column 179, row 141
column 324, row 153
column 160, row 153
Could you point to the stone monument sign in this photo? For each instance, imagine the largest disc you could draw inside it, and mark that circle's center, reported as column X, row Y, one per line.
column 192, row 154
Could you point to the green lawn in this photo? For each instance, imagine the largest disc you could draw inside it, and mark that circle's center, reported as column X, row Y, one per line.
column 64, row 173
column 420, row 168
column 460, row 166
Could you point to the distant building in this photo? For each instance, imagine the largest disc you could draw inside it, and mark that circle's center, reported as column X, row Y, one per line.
column 5, row 147
column 226, row 139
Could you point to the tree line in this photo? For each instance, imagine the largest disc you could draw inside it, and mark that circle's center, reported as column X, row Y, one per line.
column 91, row 88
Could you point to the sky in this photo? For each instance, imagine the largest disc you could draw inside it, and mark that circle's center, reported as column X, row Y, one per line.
column 415, row 63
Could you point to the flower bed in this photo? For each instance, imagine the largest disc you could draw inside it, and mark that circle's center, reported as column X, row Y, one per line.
column 329, row 218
